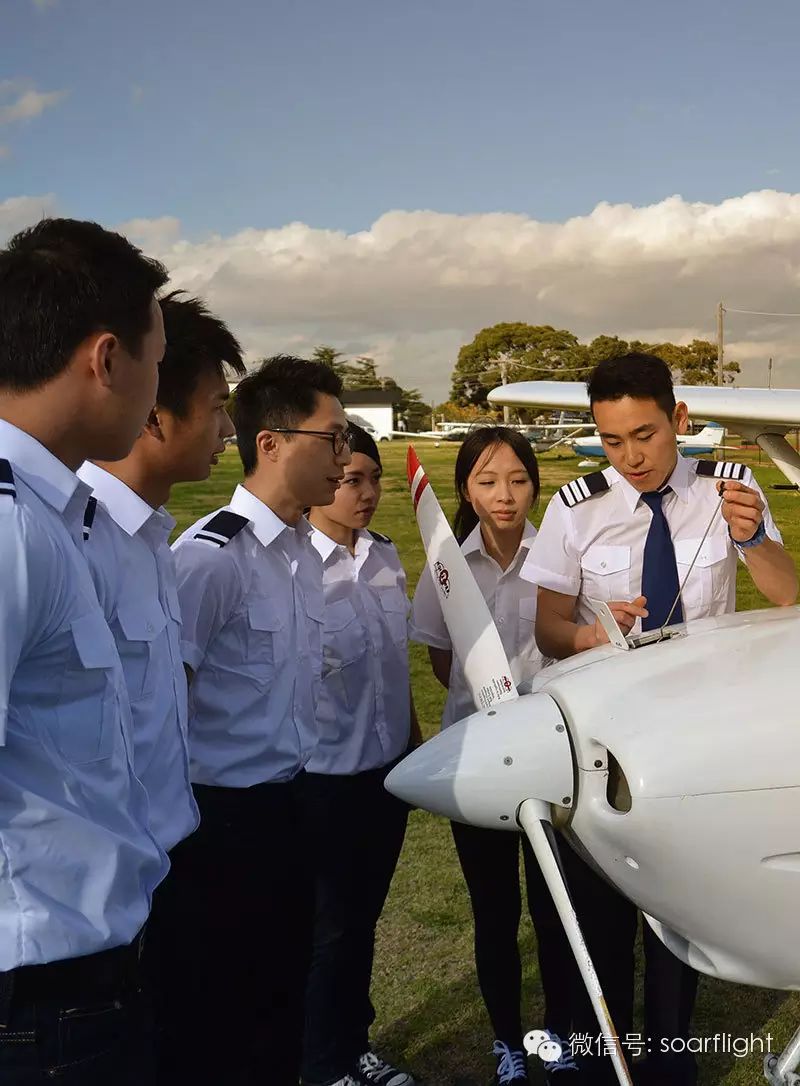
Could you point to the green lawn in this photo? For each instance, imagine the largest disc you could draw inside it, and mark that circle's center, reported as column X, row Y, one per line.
column 430, row 1017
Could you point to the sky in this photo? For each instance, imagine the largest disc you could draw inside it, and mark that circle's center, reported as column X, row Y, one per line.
column 389, row 178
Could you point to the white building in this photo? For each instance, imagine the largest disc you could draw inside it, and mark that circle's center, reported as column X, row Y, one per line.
column 372, row 406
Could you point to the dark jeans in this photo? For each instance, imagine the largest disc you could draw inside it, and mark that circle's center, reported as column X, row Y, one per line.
column 228, row 942
column 490, row 862
column 358, row 830
column 609, row 922
column 80, row 1022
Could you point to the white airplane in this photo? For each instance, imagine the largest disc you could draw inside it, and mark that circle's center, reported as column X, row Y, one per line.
column 671, row 760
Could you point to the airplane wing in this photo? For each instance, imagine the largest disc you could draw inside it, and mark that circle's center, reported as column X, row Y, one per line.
column 763, row 415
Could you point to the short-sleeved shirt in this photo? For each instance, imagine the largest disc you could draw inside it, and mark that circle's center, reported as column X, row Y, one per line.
column 511, row 597
column 595, row 548
column 364, row 708
column 133, row 570
column 252, row 611
column 78, row 863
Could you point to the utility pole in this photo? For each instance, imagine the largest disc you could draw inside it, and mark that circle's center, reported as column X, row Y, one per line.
column 504, row 379
column 720, row 343
column 769, row 373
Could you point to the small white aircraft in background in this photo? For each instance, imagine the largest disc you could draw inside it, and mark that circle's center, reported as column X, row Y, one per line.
column 671, row 760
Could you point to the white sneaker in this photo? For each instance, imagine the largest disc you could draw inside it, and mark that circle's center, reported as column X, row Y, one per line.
column 381, row 1073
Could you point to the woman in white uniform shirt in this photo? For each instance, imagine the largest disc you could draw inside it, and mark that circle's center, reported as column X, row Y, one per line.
column 497, row 483
column 366, row 720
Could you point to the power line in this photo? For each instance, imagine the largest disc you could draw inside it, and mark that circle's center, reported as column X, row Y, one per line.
column 758, row 312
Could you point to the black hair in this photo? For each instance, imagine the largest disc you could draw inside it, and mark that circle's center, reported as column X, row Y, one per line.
column 473, row 446
column 640, row 376
column 281, row 393
column 197, row 343
column 363, row 442
column 62, row 280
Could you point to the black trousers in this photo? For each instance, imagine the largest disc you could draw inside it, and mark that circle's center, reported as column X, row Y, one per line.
column 81, row 1022
column 229, row 940
column 490, row 862
column 358, row 830
column 610, row 922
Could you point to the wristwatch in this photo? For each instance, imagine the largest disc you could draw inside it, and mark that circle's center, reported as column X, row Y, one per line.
column 759, row 537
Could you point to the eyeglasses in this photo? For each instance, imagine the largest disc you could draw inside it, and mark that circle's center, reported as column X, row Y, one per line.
column 337, row 438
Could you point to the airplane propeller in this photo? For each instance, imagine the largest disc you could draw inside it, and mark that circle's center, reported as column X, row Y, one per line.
column 484, row 769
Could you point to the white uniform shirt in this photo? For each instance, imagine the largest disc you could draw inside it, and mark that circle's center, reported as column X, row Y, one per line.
column 364, row 710
column 511, row 597
column 134, row 573
column 252, row 633
column 78, row 864
column 595, row 548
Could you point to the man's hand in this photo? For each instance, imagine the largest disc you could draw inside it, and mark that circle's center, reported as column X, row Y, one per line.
column 625, row 615
column 742, row 508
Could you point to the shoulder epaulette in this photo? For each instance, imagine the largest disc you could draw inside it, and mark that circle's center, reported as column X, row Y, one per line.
column 721, row 469
column 88, row 517
column 585, row 487
column 380, row 538
column 7, row 480
column 221, row 528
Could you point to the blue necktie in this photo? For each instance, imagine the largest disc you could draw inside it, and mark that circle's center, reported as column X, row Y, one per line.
column 659, row 570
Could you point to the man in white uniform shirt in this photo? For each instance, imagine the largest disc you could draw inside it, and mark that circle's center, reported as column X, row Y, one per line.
column 81, row 336
column 250, row 589
column 134, row 573
column 628, row 535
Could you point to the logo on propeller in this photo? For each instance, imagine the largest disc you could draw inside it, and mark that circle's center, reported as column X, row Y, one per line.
column 443, row 577
column 506, row 682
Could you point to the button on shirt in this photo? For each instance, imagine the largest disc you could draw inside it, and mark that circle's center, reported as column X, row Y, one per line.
column 596, row 548
column 364, row 710
column 252, row 633
column 77, row 863
column 134, row 573
column 511, row 597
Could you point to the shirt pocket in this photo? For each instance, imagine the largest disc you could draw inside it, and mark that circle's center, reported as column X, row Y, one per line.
column 264, row 641
column 708, row 582
column 606, row 573
column 142, row 624
column 394, row 605
column 344, row 639
column 87, row 713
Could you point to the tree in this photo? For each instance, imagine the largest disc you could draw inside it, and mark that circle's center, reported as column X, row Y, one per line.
column 532, row 352
column 695, row 364
column 329, row 357
column 362, row 373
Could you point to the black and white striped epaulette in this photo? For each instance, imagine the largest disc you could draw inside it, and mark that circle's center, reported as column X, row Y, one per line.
column 378, row 537
column 221, row 528
column 585, row 487
column 721, row 469
column 88, row 517
column 7, row 487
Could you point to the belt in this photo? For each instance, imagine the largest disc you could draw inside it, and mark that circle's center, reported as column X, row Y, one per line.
column 101, row 975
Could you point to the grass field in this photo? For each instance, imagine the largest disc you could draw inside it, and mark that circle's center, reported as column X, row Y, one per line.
column 430, row 1016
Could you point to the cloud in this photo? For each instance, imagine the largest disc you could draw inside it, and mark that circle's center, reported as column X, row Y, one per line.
column 5, row 152
column 417, row 284
column 28, row 101
column 20, row 211
column 44, row 5
column 137, row 94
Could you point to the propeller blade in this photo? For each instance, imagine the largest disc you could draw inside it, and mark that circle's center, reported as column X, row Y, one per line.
column 473, row 634
column 533, row 817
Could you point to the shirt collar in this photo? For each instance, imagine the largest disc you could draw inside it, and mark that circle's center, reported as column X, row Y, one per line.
column 326, row 546
column 678, row 481
column 474, row 541
column 267, row 525
column 44, row 473
column 123, row 505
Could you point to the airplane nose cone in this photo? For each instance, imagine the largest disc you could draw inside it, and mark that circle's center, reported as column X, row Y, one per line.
column 481, row 769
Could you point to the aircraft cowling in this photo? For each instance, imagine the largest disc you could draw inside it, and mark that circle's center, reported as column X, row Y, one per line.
column 703, row 728
column 482, row 768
